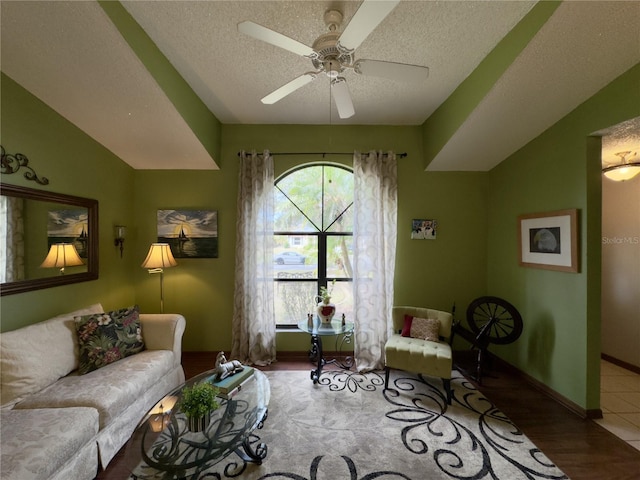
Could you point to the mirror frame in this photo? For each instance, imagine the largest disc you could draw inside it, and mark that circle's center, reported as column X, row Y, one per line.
column 91, row 205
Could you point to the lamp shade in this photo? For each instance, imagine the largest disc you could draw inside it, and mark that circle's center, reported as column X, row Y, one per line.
column 165, row 405
column 159, row 256
column 62, row 255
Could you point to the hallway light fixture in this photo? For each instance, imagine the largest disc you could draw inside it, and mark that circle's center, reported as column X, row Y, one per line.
column 625, row 170
column 159, row 258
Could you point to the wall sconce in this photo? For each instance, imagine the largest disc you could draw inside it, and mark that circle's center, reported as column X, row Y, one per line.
column 158, row 258
column 62, row 255
column 625, row 170
column 119, row 232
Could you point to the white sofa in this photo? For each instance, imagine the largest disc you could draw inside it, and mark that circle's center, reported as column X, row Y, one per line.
column 57, row 424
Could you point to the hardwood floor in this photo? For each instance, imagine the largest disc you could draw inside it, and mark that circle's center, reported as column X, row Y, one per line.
column 581, row 448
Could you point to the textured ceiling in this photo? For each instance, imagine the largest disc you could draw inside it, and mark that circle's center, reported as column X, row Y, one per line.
column 620, row 138
column 582, row 47
column 71, row 56
column 231, row 72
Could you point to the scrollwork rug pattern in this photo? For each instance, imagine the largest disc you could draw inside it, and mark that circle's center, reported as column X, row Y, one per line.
column 347, row 427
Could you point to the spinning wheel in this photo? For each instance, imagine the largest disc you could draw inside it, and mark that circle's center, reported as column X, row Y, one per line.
column 491, row 320
column 494, row 320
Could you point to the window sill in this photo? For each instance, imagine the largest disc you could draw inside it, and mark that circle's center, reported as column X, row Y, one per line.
column 288, row 330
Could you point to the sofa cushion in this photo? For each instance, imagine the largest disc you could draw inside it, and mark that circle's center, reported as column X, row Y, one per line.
column 28, row 361
column 110, row 390
column 105, row 338
column 36, row 444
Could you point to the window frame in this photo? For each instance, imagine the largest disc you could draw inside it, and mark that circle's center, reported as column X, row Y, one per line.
column 321, row 279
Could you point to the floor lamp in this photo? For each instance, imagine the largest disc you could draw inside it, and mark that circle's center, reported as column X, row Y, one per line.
column 159, row 258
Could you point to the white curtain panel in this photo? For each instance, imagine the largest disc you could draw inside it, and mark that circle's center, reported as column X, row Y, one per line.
column 11, row 239
column 374, row 236
column 254, row 329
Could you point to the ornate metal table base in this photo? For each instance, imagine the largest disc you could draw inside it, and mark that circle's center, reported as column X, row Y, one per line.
column 177, row 453
column 255, row 454
column 252, row 455
column 316, row 355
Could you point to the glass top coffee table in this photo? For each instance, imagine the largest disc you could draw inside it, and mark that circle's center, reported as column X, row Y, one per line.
column 167, row 449
column 317, row 330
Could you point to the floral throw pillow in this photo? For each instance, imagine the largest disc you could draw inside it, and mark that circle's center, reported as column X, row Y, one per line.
column 105, row 338
column 423, row 328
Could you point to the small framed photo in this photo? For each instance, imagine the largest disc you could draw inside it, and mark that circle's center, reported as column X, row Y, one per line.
column 549, row 240
column 423, row 229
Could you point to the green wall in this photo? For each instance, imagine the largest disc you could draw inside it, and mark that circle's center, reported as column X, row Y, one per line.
column 474, row 254
column 76, row 165
column 451, row 268
column 560, row 345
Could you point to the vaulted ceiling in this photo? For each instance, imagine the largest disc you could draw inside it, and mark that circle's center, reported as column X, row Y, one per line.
column 73, row 57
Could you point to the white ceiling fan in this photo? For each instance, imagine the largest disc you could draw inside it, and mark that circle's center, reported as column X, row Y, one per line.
column 333, row 52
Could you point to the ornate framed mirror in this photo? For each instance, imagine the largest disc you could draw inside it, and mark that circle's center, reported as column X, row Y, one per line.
column 31, row 221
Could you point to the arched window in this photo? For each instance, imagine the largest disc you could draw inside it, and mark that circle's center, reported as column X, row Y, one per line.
column 313, row 240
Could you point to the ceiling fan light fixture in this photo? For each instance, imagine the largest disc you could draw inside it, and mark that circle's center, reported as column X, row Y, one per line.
column 332, row 68
column 625, row 170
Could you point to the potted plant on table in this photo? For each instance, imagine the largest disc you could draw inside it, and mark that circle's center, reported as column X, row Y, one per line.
column 197, row 403
column 325, row 309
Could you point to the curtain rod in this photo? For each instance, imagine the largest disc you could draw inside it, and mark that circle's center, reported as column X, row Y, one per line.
column 399, row 155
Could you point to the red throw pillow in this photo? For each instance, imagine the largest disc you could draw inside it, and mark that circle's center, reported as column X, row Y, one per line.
column 406, row 329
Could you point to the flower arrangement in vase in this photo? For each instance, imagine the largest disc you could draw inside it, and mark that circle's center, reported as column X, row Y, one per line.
column 325, row 309
column 197, row 403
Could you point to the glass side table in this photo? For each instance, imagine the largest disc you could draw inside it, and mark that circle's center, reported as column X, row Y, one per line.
column 317, row 330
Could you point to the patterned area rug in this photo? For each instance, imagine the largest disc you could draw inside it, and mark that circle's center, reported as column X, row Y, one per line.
column 347, row 427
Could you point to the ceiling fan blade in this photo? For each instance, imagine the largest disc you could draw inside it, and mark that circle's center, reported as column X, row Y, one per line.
column 274, row 38
column 402, row 72
column 364, row 21
column 289, row 88
column 342, row 97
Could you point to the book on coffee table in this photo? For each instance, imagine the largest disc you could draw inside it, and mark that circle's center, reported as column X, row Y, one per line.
column 232, row 393
column 232, row 382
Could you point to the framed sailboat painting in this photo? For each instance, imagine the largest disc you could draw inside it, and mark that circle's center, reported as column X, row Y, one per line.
column 190, row 233
column 69, row 226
